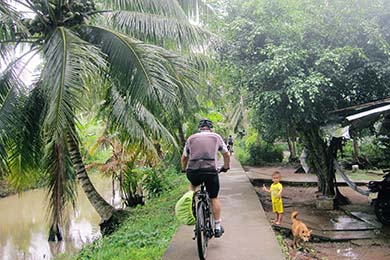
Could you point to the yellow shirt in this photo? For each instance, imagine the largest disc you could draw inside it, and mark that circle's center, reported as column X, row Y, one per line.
column 277, row 203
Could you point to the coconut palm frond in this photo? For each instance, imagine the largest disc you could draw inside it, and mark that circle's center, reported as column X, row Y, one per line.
column 69, row 59
column 183, row 69
column 158, row 29
column 201, row 61
column 61, row 180
column 11, row 28
column 235, row 116
column 16, row 130
column 163, row 7
column 27, row 147
column 150, row 122
column 140, row 68
column 10, row 87
column 11, row 24
column 137, row 121
column 185, row 76
column 200, row 6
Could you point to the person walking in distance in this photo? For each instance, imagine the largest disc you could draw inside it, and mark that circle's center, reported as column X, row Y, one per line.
column 276, row 196
column 199, row 161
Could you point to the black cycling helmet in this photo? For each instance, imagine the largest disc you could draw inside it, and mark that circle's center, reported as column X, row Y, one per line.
column 205, row 122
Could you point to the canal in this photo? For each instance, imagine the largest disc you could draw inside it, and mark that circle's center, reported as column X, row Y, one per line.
column 24, row 229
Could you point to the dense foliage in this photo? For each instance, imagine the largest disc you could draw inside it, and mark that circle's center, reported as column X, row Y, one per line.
column 320, row 58
column 302, row 59
column 253, row 151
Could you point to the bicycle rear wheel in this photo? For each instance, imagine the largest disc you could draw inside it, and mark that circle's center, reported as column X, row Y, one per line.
column 201, row 231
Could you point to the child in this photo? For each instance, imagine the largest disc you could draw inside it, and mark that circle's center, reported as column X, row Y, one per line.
column 276, row 196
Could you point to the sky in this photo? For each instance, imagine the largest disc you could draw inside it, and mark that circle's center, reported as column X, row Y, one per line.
column 27, row 75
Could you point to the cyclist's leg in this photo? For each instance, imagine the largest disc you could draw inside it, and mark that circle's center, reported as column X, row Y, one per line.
column 212, row 185
column 195, row 180
column 216, row 204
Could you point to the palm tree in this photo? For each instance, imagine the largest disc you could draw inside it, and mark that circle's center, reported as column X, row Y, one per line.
column 81, row 47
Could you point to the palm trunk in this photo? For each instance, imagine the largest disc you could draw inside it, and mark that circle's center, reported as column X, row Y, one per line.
column 103, row 208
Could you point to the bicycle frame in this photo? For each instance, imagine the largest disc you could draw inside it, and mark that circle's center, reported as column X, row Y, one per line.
column 205, row 224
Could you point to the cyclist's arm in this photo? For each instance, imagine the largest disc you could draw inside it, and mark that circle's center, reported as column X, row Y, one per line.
column 184, row 161
column 226, row 160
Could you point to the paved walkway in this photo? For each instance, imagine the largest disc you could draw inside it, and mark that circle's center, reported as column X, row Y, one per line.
column 248, row 233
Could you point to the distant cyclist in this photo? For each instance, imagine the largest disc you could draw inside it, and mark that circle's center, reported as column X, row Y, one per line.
column 230, row 143
column 199, row 160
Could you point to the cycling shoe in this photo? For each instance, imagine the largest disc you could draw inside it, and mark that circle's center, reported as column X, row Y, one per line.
column 219, row 232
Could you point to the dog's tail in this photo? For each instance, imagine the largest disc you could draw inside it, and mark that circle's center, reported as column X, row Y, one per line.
column 294, row 216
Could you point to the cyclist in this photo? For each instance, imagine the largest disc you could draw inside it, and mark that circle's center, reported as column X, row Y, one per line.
column 199, row 161
column 230, row 143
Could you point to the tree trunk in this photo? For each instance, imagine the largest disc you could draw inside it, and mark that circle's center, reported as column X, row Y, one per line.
column 334, row 146
column 290, row 136
column 113, row 189
column 111, row 218
column 103, row 208
column 355, row 150
column 321, row 158
column 319, row 161
column 160, row 153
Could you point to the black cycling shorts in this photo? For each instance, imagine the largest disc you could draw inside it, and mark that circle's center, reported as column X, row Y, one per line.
column 211, row 181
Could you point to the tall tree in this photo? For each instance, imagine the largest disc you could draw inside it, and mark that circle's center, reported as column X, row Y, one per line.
column 82, row 49
column 306, row 58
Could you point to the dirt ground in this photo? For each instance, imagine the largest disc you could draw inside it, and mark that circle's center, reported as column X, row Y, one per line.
column 303, row 199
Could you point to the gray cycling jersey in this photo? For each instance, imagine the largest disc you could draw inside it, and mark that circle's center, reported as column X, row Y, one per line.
column 201, row 149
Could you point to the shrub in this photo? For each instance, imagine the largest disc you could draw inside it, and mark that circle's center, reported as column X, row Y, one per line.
column 143, row 183
column 264, row 153
column 252, row 152
column 373, row 152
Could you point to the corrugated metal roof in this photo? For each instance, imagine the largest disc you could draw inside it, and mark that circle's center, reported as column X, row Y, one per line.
column 369, row 112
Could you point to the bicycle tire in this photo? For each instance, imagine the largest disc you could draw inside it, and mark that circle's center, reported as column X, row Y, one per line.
column 201, row 231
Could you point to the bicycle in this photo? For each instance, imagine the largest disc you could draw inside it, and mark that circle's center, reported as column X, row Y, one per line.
column 205, row 223
column 230, row 148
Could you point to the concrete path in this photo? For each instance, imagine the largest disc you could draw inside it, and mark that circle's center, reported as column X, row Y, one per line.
column 248, row 233
column 260, row 175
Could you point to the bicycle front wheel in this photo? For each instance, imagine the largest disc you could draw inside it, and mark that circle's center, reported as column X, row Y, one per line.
column 201, row 232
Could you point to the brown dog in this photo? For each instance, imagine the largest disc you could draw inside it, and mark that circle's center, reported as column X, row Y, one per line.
column 299, row 230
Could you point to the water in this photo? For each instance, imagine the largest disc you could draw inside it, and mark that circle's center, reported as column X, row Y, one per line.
column 24, row 230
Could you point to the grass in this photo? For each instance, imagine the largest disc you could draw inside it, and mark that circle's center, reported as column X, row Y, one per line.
column 363, row 175
column 283, row 244
column 146, row 234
